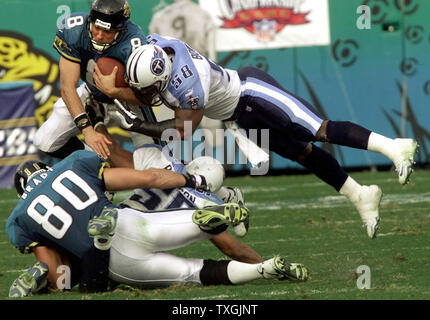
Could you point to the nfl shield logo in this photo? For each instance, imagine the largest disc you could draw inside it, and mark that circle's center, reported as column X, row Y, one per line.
column 265, row 30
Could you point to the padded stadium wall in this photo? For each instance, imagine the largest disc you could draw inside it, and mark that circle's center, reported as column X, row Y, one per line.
column 377, row 77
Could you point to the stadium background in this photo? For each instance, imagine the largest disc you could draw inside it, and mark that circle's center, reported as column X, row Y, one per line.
column 376, row 77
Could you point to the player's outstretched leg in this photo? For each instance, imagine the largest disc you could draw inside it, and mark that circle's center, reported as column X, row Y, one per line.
column 214, row 216
column 234, row 272
column 400, row 151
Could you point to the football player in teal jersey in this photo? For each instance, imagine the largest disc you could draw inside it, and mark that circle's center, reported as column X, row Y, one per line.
column 83, row 38
column 60, row 207
column 57, row 203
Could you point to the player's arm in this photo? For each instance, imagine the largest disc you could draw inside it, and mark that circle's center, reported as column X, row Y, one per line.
column 235, row 249
column 106, row 84
column 186, row 118
column 119, row 157
column 184, row 123
column 69, row 78
column 126, row 178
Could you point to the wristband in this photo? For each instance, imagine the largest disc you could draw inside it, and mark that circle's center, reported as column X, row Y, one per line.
column 82, row 121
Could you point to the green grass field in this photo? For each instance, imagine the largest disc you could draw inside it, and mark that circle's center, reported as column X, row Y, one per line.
column 305, row 220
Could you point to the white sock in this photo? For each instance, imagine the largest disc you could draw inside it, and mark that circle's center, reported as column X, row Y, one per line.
column 350, row 189
column 381, row 144
column 239, row 272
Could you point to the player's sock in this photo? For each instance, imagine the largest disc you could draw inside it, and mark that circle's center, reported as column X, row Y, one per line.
column 381, row 144
column 215, row 272
column 325, row 167
column 350, row 189
column 348, row 134
column 239, row 272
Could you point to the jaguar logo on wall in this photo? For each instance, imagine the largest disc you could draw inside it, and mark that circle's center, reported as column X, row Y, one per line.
column 20, row 61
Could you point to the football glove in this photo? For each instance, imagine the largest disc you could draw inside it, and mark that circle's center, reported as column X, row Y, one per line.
column 196, row 181
column 96, row 112
column 123, row 115
column 128, row 120
column 30, row 282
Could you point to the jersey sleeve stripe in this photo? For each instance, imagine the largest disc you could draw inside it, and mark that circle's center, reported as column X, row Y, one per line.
column 102, row 168
column 29, row 248
column 73, row 59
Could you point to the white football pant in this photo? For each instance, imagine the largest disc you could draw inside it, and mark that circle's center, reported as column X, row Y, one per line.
column 59, row 127
column 135, row 255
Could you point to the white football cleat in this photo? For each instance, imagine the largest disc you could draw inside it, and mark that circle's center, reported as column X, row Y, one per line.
column 278, row 268
column 405, row 150
column 367, row 205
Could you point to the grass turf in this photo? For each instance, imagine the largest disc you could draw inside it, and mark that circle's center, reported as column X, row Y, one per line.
column 306, row 221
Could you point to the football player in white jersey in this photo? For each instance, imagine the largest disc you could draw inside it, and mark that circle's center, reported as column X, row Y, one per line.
column 146, row 199
column 193, row 86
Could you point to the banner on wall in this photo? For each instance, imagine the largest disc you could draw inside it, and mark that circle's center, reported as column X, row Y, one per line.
column 17, row 128
column 268, row 24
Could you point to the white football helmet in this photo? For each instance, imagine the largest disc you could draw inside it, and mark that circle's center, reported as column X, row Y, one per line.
column 147, row 66
column 210, row 168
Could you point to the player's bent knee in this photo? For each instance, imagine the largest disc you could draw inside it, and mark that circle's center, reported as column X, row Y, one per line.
column 304, row 154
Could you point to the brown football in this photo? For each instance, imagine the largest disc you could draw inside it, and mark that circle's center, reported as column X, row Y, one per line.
column 106, row 65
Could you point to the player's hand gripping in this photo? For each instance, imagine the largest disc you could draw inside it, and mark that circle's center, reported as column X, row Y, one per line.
column 105, row 83
column 98, row 142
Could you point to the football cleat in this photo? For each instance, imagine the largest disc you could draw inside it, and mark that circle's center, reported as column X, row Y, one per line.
column 233, row 194
column 367, row 205
column 214, row 216
column 104, row 224
column 404, row 160
column 278, row 268
column 30, row 281
column 109, row 195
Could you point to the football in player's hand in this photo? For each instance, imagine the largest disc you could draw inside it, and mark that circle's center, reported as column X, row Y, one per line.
column 106, row 65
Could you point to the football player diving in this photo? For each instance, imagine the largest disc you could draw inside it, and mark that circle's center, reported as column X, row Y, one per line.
column 170, row 71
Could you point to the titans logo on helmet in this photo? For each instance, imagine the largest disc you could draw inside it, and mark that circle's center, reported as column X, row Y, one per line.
column 157, row 63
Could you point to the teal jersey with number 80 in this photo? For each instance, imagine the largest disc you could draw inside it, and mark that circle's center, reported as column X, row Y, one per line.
column 57, row 204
